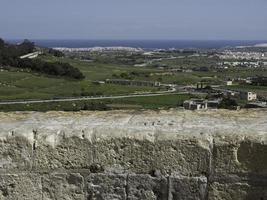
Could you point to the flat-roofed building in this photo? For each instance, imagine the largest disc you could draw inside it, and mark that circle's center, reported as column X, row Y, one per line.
column 195, row 104
column 228, row 83
column 249, row 96
column 201, row 104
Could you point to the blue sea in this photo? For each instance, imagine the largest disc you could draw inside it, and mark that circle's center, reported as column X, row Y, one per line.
column 146, row 44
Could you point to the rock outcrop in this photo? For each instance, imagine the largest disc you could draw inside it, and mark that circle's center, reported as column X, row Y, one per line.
column 174, row 155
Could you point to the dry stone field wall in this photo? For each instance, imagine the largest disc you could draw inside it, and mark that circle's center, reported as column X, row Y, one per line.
column 174, row 155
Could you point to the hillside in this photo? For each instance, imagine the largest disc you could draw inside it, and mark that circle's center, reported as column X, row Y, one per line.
column 12, row 56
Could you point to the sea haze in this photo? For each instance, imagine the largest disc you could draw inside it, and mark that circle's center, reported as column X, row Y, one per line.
column 146, row 44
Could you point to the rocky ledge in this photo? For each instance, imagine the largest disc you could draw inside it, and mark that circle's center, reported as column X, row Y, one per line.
column 134, row 155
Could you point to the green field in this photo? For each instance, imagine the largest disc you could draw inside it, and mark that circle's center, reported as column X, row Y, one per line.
column 21, row 85
column 25, row 85
column 17, row 84
column 99, row 71
column 159, row 102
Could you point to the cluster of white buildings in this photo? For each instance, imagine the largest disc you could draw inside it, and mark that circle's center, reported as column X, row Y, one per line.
column 243, row 55
column 243, row 95
column 203, row 104
column 254, row 64
column 99, row 49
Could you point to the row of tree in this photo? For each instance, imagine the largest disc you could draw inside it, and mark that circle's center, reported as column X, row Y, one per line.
column 10, row 56
column 56, row 69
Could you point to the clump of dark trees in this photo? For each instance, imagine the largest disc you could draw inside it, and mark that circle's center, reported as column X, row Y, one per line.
column 131, row 75
column 10, row 56
column 56, row 69
column 228, row 103
column 55, row 53
column 94, row 106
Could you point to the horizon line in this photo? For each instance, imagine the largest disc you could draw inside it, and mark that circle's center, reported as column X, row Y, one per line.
column 95, row 39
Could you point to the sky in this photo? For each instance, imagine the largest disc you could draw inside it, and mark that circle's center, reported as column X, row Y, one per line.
column 134, row 19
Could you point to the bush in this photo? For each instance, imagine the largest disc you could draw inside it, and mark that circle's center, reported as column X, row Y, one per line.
column 228, row 103
column 56, row 53
column 56, row 69
column 95, row 106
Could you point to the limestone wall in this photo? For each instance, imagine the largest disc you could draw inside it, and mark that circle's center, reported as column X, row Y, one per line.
column 134, row 155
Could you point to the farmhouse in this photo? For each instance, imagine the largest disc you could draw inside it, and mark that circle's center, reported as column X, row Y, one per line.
column 249, row 96
column 200, row 104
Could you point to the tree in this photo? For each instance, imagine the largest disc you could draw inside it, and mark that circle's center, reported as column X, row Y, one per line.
column 56, row 53
column 228, row 103
column 2, row 43
column 26, row 47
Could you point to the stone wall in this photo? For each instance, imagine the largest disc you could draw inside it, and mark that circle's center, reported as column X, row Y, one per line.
column 175, row 155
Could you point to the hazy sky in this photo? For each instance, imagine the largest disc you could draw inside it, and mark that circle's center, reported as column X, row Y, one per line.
column 134, row 19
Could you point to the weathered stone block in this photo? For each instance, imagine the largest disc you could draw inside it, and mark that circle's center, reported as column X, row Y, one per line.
column 128, row 154
column 106, row 186
column 188, row 188
column 69, row 153
column 239, row 155
column 63, row 186
column 20, row 187
column 187, row 156
column 15, row 153
column 237, row 191
column 252, row 156
column 147, row 187
column 225, row 156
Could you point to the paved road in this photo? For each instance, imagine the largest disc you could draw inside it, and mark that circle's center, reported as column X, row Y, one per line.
column 91, row 98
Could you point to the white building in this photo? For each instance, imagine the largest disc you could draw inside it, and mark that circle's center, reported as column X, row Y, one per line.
column 229, row 83
column 196, row 104
column 249, row 96
column 31, row 55
column 201, row 104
